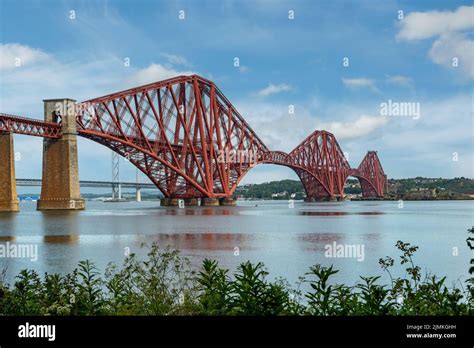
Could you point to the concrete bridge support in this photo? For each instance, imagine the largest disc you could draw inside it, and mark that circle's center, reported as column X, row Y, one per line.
column 191, row 202
column 323, row 199
column 8, row 195
column 175, row 202
column 205, row 201
column 228, row 201
column 209, row 201
column 169, row 202
column 60, row 185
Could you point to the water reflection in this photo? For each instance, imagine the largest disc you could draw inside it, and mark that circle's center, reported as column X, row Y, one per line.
column 7, row 238
column 7, row 222
column 339, row 213
column 317, row 241
column 211, row 211
column 202, row 241
column 60, row 223
column 284, row 239
column 63, row 239
column 372, row 236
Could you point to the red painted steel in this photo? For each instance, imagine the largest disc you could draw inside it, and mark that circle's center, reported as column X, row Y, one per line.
column 29, row 126
column 187, row 137
column 177, row 132
column 372, row 178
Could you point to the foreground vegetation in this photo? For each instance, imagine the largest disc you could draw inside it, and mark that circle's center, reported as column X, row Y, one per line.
column 165, row 284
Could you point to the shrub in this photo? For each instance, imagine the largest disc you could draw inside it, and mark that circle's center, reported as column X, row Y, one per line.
column 165, row 284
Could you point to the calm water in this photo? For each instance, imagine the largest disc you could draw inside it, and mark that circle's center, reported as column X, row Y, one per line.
column 287, row 240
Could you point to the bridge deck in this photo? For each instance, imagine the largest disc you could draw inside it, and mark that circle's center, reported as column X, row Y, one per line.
column 91, row 183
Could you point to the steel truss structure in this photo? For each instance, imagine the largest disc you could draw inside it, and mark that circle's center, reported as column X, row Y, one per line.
column 29, row 126
column 180, row 132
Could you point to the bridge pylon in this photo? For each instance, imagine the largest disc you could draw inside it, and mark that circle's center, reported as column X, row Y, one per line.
column 60, row 188
column 8, row 196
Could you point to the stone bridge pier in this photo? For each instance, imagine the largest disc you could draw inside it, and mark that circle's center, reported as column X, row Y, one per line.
column 8, row 196
column 60, row 185
column 202, row 201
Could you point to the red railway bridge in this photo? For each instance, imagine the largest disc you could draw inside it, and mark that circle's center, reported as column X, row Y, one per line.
column 186, row 137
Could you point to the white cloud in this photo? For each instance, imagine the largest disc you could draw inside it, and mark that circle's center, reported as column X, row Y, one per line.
column 451, row 32
column 451, row 46
column 23, row 88
column 14, row 55
column 424, row 25
column 155, row 72
column 359, row 127
column 42, row 76
column 176, row 60
column 273, row 89
column 280, row 130
column 431, row 140
column 423, row 147
column 243, row 69
column 359, row 83
column 400, row 80
column 407, row 148
column 277, row 128
column 266, row 173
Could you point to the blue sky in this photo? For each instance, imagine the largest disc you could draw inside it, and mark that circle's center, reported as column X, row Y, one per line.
column 283, row 62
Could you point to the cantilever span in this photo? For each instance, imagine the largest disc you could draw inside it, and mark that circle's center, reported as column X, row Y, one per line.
column 177, row 130
column 323, row 168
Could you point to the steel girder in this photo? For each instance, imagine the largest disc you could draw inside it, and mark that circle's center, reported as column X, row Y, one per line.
column 373, row 180
column 176, row 131
column 28, row 126
column 319, row 163
column 327, row 166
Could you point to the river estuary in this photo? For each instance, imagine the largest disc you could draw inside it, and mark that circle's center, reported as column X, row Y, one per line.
column 288, row 239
